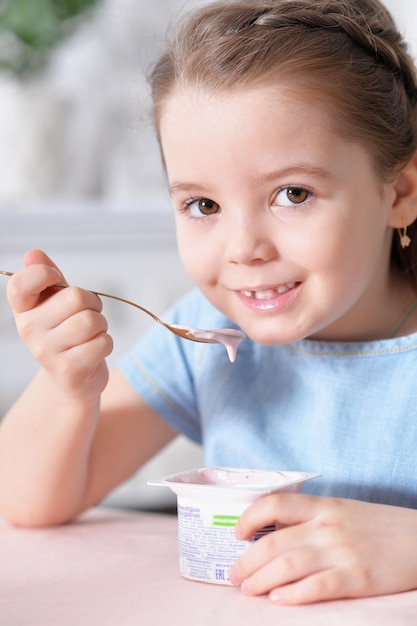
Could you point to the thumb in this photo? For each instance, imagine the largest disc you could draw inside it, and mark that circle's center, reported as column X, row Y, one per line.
column 38, row 257
column 31, row 286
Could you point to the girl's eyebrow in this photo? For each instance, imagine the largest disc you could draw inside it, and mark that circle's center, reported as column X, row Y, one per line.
column 177, row 186
column 293, row 170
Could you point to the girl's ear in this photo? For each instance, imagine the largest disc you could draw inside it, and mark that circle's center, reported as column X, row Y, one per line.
column 404, row 207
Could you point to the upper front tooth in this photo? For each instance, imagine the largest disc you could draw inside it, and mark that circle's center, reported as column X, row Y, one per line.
column 267, row 293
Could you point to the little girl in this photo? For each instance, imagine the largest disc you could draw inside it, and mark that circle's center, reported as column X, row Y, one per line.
column 288, row 130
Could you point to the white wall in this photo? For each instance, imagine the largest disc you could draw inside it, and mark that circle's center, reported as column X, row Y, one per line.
column 81, row 177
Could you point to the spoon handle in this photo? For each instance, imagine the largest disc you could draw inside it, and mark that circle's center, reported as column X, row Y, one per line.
column 138, row 306
column 107, row 295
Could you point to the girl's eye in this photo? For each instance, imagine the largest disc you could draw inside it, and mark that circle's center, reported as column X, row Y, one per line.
column 202, row 206
column 289, row 196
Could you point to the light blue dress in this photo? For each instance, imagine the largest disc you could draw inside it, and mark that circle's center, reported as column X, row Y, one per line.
column 345, row 410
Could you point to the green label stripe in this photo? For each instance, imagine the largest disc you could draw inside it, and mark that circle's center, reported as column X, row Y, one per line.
column 225, row 520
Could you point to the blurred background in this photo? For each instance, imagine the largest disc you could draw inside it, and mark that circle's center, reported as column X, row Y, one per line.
column 81, row 176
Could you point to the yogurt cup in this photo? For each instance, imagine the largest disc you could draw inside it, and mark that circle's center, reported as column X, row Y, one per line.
column 210, row 501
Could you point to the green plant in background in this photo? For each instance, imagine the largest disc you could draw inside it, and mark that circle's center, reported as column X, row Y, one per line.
column 29, row 30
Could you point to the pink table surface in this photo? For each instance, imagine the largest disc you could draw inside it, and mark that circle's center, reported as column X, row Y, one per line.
column 116, row 568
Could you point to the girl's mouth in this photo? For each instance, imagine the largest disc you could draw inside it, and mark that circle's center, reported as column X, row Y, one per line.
column 270, row 298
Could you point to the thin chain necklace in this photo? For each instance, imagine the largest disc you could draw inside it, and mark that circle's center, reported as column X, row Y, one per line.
column 401, row 321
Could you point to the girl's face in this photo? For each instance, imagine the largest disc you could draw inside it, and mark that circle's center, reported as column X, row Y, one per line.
column 282, row 224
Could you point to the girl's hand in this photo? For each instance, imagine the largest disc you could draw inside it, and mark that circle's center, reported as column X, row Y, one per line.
column 326, row 548
column 63, row 328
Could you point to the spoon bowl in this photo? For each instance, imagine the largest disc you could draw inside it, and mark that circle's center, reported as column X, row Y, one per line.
column 229, row 337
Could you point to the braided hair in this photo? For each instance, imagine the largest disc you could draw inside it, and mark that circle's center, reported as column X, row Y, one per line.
column 346, row 53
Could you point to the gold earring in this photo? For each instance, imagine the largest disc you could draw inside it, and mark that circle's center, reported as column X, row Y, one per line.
column 404, row 238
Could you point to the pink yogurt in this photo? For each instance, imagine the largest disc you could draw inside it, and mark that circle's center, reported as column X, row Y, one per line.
column 229, row 337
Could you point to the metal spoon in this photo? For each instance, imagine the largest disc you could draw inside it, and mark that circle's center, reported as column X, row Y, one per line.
column 229, row 337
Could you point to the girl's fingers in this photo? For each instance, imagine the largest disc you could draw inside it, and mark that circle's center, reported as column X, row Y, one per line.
column 280, row 547
column 69, row 311
column 283, row 509
column 78, row 329
column 83, row 359
column 285, row 569
column 297, row 574
column 72, row 302
column 326, row 548
column 305, row 544
column 330, row 584
column 62, row 326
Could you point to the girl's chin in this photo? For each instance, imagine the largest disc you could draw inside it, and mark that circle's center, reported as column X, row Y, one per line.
column 272, row 338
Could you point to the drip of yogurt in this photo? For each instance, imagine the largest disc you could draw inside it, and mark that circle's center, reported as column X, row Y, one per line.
column 229, row 337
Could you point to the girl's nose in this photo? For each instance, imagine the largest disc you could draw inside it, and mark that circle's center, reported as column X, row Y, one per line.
column 248, row 242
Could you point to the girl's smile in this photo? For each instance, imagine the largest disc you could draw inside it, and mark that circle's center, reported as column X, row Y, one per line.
column 282, row 224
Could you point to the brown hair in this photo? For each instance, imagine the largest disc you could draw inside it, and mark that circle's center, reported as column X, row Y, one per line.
column 348, row 51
